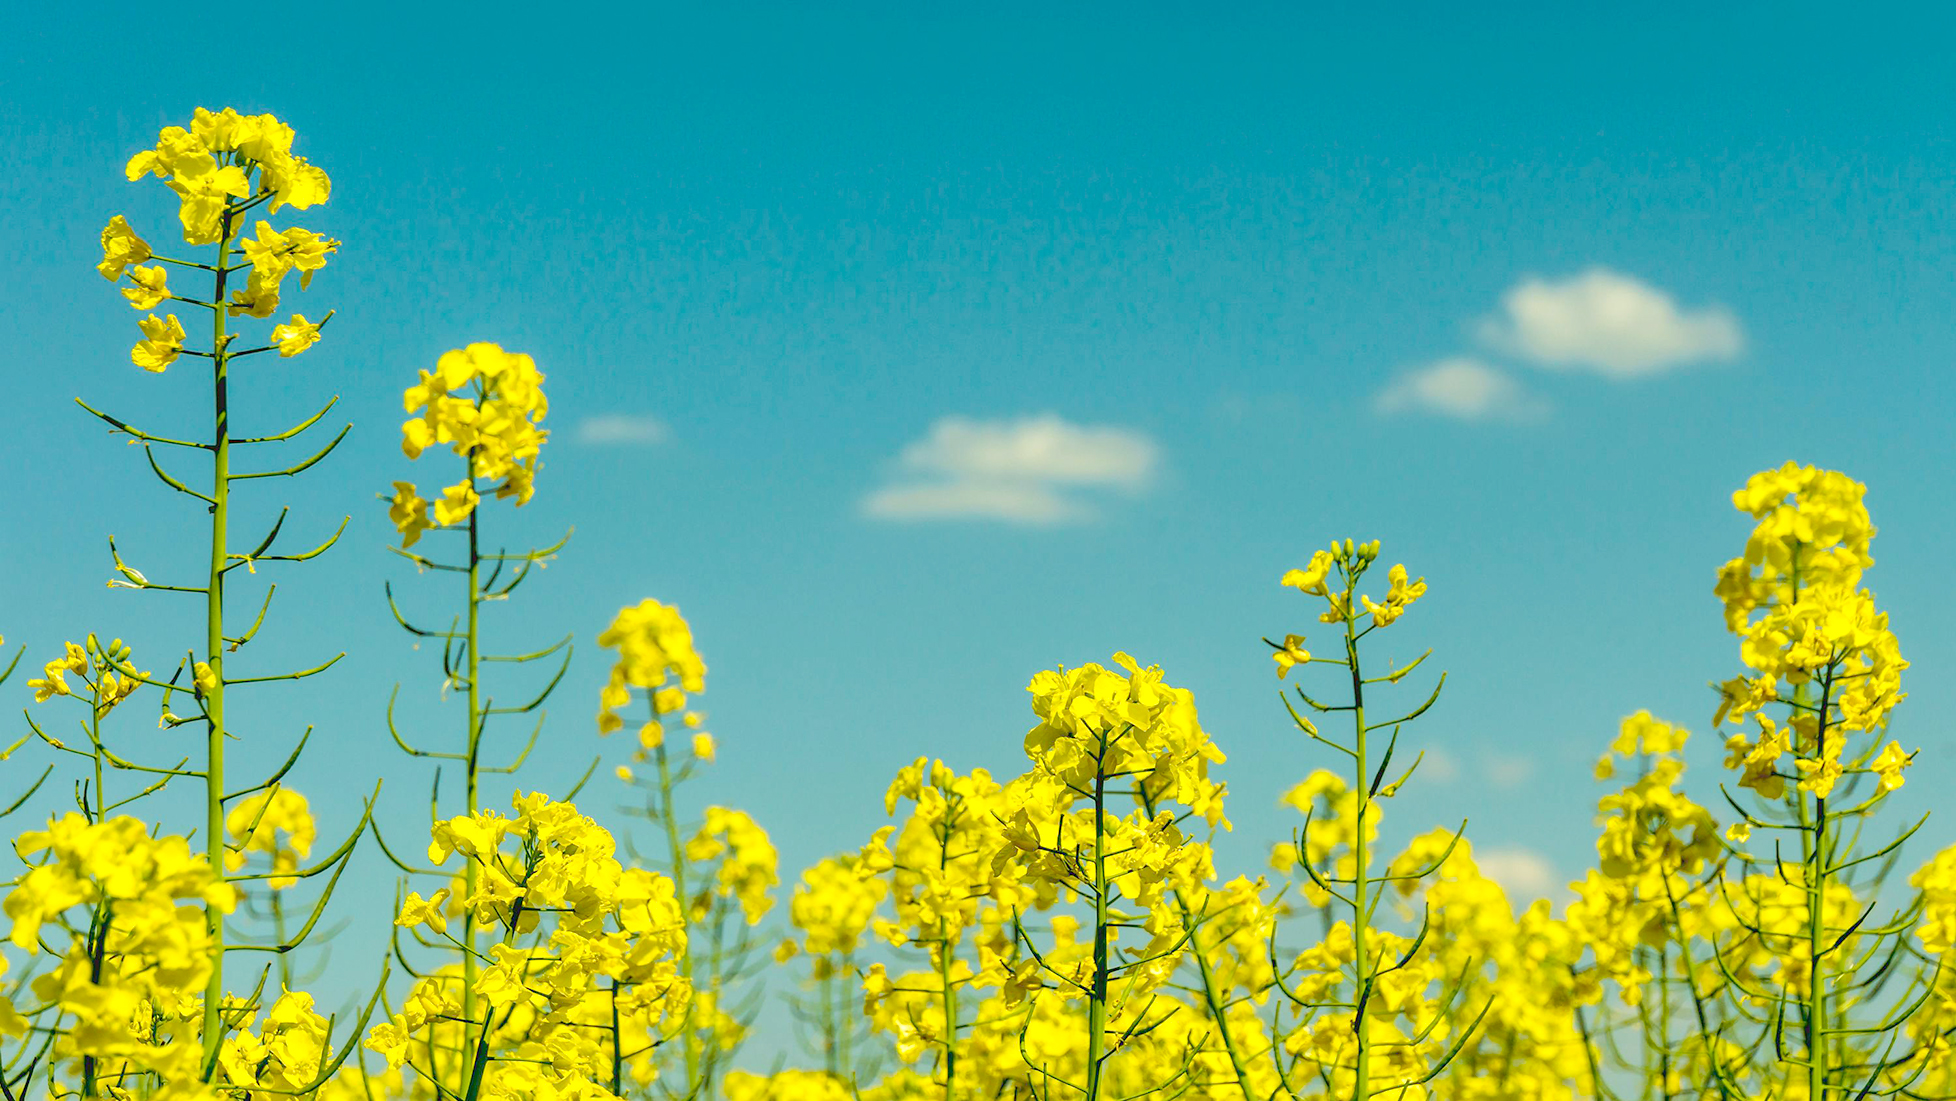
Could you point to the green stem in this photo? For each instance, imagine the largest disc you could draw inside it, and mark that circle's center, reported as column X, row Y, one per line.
column 1212, row 998
column 480, row 1062
column 1361, row 913
column 214, row 649
column 617, row 1047
column 472, row 747
column 95, row 738
column 669, row 818
column 1097, row 996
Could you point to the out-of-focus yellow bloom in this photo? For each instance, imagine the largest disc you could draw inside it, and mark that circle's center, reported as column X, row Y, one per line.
column 456, row 503
column 655, row 647
column 1292, row 653
column 1311, row 579
column 703, row 746
column 278, row 823
column 1399, row 597
column 53, row 680
column 1889, row 763
column 409, row 513
column 748, row 868
column 161, row 344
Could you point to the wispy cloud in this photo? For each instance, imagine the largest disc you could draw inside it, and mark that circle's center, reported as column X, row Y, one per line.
column 1524, row 874
column 621, row 430
column 1609, row 323
column 1438, row 767
column 1507, row 772
column 1463, row 388
column 1039, row 470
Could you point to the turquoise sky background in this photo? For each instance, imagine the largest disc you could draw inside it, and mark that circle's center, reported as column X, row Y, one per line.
column 1184, row 279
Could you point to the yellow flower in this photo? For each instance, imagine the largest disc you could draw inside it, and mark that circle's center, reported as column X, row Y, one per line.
column 149, row 289
column 162, row 343
column 1888, row 765
column 177, row 152
column 52, row 683
column 1400, row 596
column 1818, row 776
column 120, row 248
column 272, row 253
column 295, row 336
column 409, row 512
column 457, row 502
column 703, row 746
column 1310, row 579
column 1292, row 653
column 655, row 648
column 258, row 299
column 416, row 911
column 204, row 199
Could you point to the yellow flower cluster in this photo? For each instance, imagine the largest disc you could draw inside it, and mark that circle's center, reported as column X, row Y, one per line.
column 584, row 941
column 1126, row 723
column 485, row 404
column 95, row 668
column 1809, row 633
column 224, row 165
column 655, row 653
column 214, row 159
column 278, row 823
column 832, row 907
column 1347, row 560
column 129, row 907
column 748, row 865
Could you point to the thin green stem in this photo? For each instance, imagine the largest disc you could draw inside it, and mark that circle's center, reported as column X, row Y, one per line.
column 472, row 747
column 220, row 510
column 1361, row 912
column 676, row 851
column 1097, row 995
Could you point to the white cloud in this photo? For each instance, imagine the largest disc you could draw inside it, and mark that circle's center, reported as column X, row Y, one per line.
column 1437, row 766
column 621, row 429
column 1609, row 323
column 1508, row 772
column 1524, row 874
column 1463, row 388
column 1019, row 471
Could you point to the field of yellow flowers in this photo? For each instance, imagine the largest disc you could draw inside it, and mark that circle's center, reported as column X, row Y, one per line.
column 1062, row 933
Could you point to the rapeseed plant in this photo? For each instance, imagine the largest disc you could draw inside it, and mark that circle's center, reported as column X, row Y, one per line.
column 1056, row 935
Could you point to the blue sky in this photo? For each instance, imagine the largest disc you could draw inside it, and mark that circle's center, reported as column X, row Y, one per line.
column 1168, row 298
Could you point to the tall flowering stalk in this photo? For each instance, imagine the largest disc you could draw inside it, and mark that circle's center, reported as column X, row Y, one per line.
column 222, row 168
column 1646, row 914
column 832, row 908
column 584, row 953
column 724, row 870
column 485, row 406
column 951, row 919
column 1358, row 1048
column 1120, row 762
column 1802, row 956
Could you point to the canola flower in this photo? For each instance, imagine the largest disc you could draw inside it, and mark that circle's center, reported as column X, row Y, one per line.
column 726, row 870
column 485, row 405
column 579, row 983
column 1062, row 933
column 229, row 173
